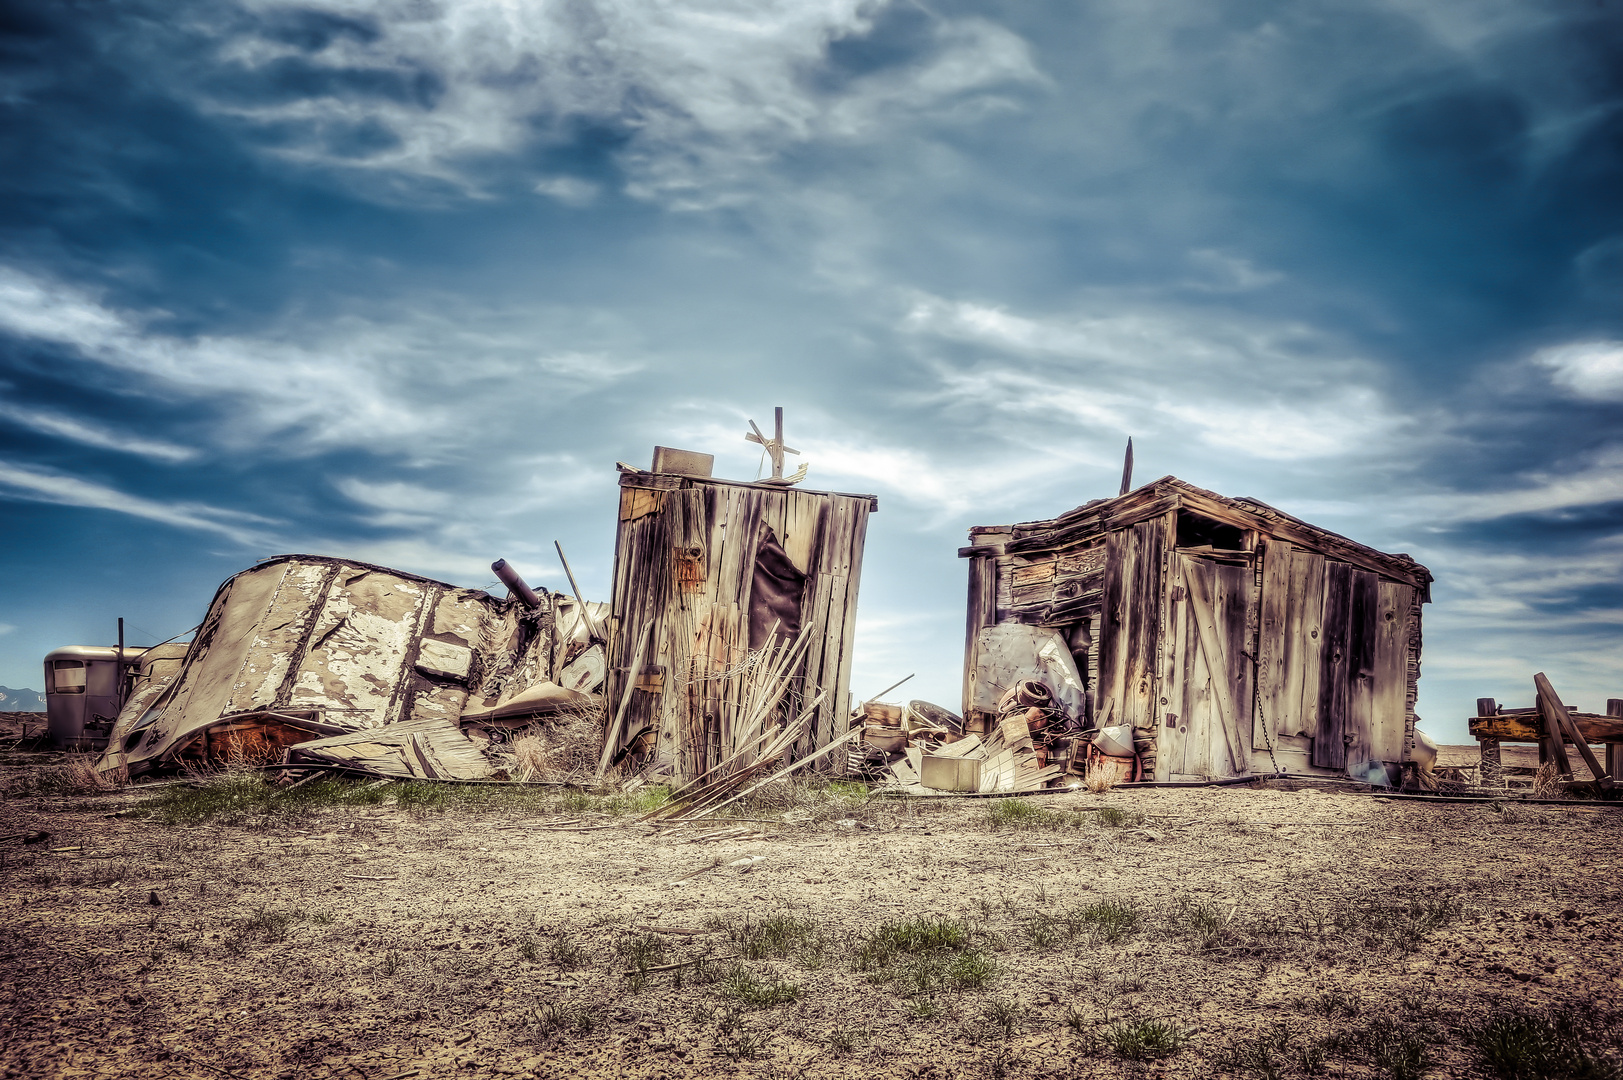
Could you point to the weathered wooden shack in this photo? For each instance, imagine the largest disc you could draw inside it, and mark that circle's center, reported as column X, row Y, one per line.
column 1233, row 637
column 707, row 573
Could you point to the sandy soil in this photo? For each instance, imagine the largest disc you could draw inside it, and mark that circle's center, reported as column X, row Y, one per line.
column 379, row 943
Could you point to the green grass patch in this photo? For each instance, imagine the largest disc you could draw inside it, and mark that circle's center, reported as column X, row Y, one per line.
column 909, row 936
column 920, row 956
column 1393, row 1049
column 1110, row 921
column 641, row 951
column 246, row 798
column 1522, row 1044
column 1143, row 1040
column 777, row 936
column 756, row 991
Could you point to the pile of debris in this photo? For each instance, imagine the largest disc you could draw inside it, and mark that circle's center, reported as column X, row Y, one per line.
column 317, row 663
column 1035, row 743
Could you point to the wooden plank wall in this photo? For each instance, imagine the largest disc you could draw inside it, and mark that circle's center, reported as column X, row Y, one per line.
column 684, row 566
column 1336, row 646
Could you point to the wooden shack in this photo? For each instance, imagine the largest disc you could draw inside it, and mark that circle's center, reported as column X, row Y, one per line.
column 708, row 572
column 1234, row 638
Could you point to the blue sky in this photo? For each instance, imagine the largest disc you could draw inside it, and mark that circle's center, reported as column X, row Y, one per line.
column 403, row 280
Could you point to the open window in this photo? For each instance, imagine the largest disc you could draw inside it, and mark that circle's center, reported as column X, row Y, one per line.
column 1198, row 532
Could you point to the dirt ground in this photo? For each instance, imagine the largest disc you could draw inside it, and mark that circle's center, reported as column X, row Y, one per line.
column 1292, row 931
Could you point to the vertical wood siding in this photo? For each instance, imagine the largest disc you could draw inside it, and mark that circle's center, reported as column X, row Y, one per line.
column 684, row 563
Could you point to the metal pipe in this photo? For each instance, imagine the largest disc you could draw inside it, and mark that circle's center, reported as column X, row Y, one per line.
column 515, row 584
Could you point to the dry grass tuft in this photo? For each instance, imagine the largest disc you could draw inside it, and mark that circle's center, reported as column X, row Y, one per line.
column 76, row 775
column 1100, row 778
column 562, row 749
column 1547, row 782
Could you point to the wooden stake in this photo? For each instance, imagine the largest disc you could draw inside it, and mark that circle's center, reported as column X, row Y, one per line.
column 592, row 632
column 611, row 737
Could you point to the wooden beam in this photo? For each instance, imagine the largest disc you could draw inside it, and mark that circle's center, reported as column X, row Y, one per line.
column 1525, row 728
column 1210, row 643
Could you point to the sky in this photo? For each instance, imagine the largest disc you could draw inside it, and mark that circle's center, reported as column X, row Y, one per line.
column 402, row 281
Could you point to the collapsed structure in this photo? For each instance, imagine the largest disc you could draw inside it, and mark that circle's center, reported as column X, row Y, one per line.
column 301, row 652
column 1229, row 638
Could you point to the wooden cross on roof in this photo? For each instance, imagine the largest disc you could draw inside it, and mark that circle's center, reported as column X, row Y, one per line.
column 776, row 448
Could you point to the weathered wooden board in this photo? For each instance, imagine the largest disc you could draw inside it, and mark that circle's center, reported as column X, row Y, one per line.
column 685, row 567
column 1330, row 738
column 1178, row 658
column 1273, row 645
column 1524, row 727
column 1138, row 706
column 1218, row 687
column 1391, row 670
column 1116, row 620
column 1304, row 637
column 1361, row 643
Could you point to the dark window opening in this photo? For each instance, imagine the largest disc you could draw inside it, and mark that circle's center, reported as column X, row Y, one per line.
column 775, row 592
column 1197, row 530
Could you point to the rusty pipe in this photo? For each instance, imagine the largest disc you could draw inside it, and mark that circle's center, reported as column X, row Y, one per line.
column 515, row 584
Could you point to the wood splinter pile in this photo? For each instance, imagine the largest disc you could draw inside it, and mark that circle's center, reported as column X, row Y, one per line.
column 758, row 740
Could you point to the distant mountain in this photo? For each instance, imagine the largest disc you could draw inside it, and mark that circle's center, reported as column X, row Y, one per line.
column 21, row 700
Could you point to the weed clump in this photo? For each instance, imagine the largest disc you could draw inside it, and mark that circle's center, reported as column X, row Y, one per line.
column 920, row 956
column 758, row 992
column 1143, row 1040
column 1520, row 1044
column 776, row 936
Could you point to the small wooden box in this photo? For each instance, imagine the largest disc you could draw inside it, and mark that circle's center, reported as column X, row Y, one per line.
column 950, row 774
column 888, row 739
column 683, row 462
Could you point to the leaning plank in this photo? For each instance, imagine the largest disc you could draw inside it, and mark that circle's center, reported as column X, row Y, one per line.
column 611, row 737
column 1551, row 711
column 1210, row 644
column 1564, row 727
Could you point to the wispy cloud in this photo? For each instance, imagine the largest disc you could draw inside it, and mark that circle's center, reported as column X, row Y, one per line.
column 103, row 436
column 702, row 94
column 1274, row 391
column 39, row 486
